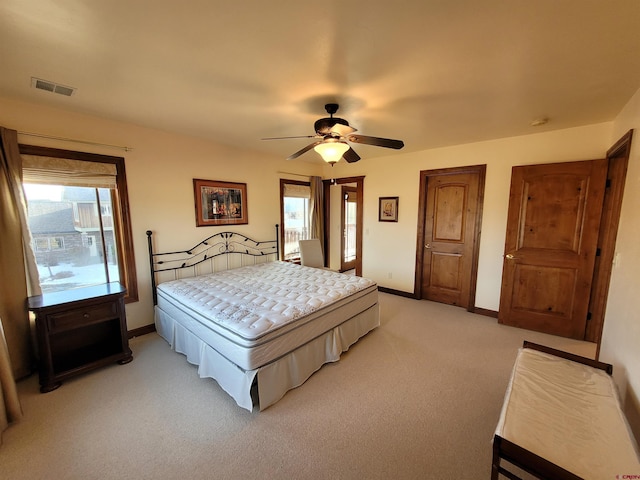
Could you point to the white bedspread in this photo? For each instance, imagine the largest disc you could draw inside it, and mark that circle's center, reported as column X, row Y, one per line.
column 550, row 399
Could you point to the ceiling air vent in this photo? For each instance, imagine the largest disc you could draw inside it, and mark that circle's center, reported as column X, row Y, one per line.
column 51, row 87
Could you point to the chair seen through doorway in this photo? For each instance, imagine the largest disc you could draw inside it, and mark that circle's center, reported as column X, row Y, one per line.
column 311, row 253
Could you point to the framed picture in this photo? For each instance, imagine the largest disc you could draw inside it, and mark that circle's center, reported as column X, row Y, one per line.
column 220, row 203
column 388, row 209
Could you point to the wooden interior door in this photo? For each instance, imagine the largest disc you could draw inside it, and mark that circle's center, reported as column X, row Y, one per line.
column 451, row 226
column 550, row 248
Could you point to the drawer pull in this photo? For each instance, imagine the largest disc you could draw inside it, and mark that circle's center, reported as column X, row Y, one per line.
column 86, row 315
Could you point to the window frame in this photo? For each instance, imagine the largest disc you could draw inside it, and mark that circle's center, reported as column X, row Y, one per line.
column 121, row 217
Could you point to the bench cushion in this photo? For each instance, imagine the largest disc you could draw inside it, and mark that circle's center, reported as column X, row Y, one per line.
column 569, row 414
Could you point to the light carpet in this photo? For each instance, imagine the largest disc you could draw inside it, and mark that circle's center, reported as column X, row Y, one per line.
column 417, row 398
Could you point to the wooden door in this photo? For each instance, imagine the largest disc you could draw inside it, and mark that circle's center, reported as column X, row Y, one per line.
column 550, row 248
column 450, row 230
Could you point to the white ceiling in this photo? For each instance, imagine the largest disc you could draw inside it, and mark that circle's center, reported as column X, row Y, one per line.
column 429, row 72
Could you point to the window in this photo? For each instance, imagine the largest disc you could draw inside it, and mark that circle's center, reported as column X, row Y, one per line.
column 45, row 244
column 41, row 244
column 105, row 210
column 56, row 243
column 79, row 219
column 294, row 213
column 88, row 241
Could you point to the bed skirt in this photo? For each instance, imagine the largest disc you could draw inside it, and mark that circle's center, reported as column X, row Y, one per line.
column 274, row 379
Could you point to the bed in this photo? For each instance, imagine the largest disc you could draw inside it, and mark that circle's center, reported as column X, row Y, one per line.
column 257, row 325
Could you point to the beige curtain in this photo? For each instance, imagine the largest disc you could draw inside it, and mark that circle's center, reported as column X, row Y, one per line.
column 316, row 209
column 10, row 410
column 17, row 271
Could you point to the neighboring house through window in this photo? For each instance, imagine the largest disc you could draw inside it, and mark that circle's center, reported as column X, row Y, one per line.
column 78, row 217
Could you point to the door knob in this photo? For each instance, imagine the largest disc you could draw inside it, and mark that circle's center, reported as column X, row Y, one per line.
column 428, row 245
column 508, row 256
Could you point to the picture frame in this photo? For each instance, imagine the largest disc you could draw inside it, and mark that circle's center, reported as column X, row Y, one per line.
column 388, row 209
column 220, row 203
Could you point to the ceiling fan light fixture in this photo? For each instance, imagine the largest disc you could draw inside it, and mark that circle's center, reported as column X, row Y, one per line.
column 335, row 132
column 331, row 151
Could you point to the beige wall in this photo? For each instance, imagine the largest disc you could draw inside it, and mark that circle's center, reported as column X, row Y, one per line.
column 161, row 166
column 389, row 249
column 160, row 171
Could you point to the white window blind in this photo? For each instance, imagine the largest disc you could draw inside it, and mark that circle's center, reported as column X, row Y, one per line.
column 297, row 191
column 67, row 172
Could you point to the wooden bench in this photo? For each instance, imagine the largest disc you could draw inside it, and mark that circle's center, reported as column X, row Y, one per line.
column 562, row 419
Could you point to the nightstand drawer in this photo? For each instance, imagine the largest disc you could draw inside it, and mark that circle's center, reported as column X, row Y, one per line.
column 82, row 316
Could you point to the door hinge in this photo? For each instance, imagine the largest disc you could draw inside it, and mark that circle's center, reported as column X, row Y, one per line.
column 588, row 316
column 598, row 252
column 608, row 184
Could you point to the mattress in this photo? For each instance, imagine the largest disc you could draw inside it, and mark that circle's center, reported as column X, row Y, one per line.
column 254, row 315
column 550, row 399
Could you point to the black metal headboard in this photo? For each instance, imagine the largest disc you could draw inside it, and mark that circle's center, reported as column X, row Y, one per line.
column 223, row 243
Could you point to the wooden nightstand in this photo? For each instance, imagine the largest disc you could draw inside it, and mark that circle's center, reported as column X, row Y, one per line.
column 79, row 330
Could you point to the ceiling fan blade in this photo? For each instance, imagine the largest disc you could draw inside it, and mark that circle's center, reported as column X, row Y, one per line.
column 351, row 156
column 378, row 142
column 304, row 150
column 342, row 130
column 286, row 138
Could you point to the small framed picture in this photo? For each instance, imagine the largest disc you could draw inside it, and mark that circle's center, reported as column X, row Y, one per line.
column 388, row 209
column 220, row 203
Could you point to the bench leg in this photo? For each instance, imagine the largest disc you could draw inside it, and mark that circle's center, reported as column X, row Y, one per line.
column 495, row 461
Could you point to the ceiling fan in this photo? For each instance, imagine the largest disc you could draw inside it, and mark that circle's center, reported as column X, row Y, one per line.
column 333, row 134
